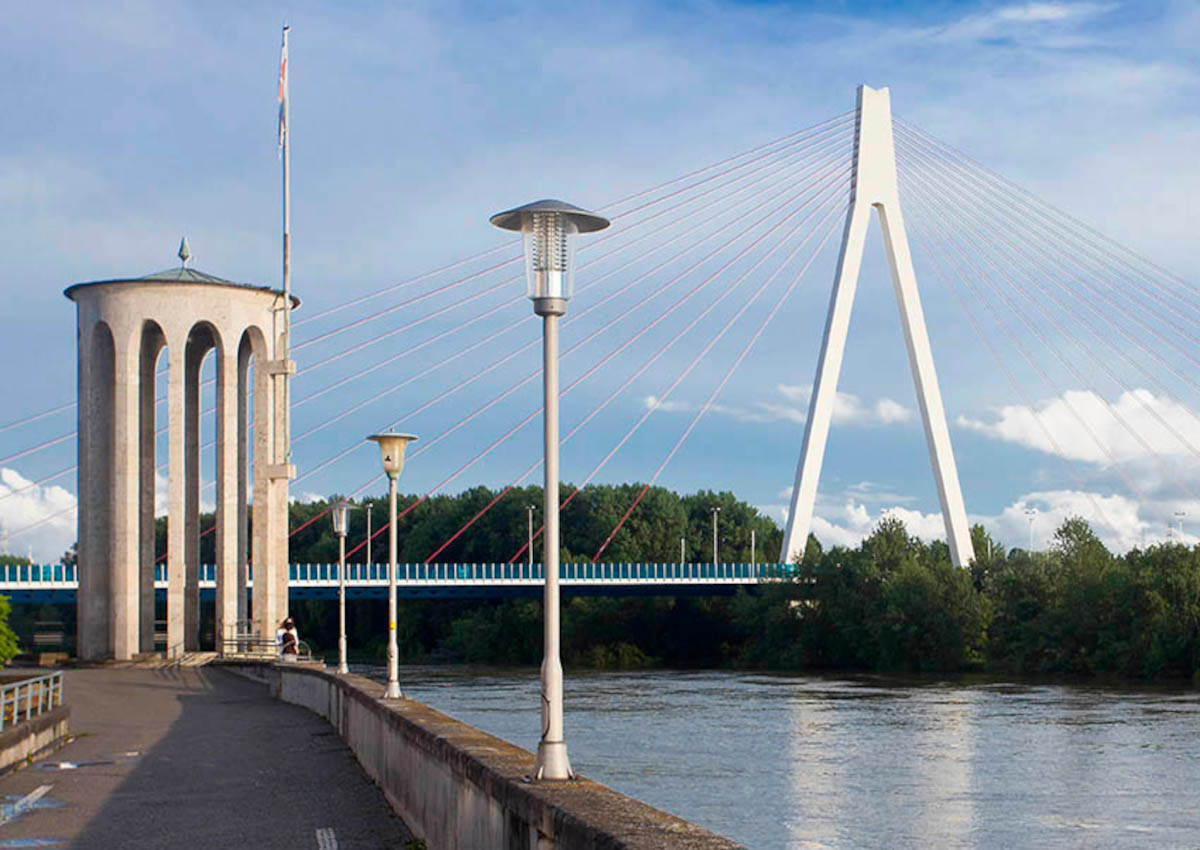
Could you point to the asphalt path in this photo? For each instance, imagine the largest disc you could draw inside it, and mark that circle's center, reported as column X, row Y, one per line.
column 194, row 757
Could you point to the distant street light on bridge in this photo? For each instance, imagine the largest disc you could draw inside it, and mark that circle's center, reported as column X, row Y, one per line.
column 341, row 520
column 716, row 509
column 391, row 450
column 549, row 228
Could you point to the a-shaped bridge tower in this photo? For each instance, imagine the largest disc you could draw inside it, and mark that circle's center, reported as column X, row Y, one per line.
column 874, row 185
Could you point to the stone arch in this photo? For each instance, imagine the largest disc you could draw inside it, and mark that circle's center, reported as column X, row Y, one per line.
column 254, row 453
column 202, row 338
column 151, row 345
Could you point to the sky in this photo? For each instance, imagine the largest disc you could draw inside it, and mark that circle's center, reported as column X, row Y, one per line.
column 131, row 125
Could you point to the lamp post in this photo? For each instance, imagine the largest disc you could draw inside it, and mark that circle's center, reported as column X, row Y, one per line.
column 529, row 510
column 391, row 449
column 715, row 510
column 1179, row 515
column 549, row 228
column 368, row 538
column 341, row 516
column 1030, row 513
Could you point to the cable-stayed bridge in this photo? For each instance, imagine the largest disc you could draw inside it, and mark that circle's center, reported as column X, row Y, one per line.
column 680, row 292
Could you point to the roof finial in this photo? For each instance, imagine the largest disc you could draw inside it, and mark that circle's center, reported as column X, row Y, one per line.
column 185, row 253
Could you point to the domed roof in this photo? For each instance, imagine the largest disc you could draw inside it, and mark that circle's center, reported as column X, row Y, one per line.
column 180, row 274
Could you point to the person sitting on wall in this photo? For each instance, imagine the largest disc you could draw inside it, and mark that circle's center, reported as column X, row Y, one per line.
column 290, row 641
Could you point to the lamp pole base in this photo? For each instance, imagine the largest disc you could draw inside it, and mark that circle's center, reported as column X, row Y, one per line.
column 393, row 691
column 343, row 667
column 552, row 761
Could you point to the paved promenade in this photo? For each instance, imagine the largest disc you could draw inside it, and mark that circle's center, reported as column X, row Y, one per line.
column 195, row 757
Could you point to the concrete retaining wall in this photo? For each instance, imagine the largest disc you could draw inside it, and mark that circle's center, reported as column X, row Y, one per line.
column 30, row 737
column 462, row 789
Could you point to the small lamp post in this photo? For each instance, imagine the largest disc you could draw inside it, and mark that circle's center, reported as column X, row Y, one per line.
column 1030, row 513
column 341, row 518
column 529, row 510
column 715, row 511
column 391, row 450
column 549, row 228
column 369, row 561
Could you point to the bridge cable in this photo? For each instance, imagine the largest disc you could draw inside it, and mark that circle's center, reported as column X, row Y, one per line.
column 716, row 391
column 961, row 203
column 604, row 360
column 1083, row 234
column 824, row 172
column 713, row 340
column 920, row 239
column 844, row 134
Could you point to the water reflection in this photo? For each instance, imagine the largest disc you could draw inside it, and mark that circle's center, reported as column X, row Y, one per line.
column 803, row 761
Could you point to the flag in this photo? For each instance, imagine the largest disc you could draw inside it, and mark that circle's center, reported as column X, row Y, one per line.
column 283, row 92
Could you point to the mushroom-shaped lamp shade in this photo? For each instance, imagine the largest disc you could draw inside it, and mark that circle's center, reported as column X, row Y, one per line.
column 341, row 517
column 549, row 228
column 391, row 449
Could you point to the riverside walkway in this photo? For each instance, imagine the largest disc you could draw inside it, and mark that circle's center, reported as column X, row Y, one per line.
column 195, row 757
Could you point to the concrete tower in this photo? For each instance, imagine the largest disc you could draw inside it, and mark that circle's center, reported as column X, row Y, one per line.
column 123, row 325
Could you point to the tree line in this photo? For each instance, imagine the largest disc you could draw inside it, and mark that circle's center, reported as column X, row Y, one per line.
column 893, row 603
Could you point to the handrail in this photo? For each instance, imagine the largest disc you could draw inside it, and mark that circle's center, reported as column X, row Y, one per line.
column 39, row 695
column 65, row 577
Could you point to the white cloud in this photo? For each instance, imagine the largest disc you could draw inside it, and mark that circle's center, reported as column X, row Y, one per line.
column 1120, row 522
column 1047, row 25
column 1164, row 427
column 667, row 405
column 848, row 409
column 31, row 504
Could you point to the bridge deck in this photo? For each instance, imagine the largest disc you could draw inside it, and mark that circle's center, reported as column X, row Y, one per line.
column 199, row 758
column 56, row 582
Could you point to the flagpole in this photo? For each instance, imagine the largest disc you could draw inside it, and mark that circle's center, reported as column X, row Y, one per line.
column 285, row 354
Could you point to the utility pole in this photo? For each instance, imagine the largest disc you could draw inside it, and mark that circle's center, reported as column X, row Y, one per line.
column 1030, row 513
column 368, row 534
column 683, row 550
column 752, row 559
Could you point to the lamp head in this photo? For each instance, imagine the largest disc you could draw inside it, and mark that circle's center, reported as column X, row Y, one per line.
column 549, row 228
column 391, row 450
column 340, row 512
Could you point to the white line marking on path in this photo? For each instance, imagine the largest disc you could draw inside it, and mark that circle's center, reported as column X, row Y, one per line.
column 326, row 840
column 23, row 805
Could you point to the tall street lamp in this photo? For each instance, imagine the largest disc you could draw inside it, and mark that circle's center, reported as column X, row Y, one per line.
column 549, row 228
column 341, row 518
column 391, row 449
column 1031, row 513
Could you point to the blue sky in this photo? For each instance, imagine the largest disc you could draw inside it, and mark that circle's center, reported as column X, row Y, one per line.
column 130, row 125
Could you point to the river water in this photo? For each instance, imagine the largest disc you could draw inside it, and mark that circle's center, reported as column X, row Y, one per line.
column 807, row 762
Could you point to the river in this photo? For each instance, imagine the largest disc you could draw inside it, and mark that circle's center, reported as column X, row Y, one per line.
column 779, row 761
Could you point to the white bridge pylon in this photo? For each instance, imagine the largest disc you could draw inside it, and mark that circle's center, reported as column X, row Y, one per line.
column 875, row 185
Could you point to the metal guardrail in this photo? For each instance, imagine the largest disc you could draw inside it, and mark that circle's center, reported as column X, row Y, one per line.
column 29, row 697
column 257, row 647
column 66, row 577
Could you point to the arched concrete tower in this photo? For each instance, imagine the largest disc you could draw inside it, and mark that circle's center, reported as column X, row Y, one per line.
column 123, row 325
